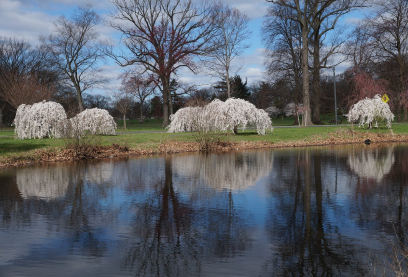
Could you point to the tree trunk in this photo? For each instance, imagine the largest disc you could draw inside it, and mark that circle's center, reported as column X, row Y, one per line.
column 141, row 111
column 305, row 78
column 1, row 115
column 79, row 97
column 228, row 84
column 316, row 78
column 124, row 121
column 166, row 93
column 170, row 103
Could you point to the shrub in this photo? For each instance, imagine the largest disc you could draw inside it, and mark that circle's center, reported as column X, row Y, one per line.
column 220, row 116
column 40, row 120
column 368, row 110
column 95, row 121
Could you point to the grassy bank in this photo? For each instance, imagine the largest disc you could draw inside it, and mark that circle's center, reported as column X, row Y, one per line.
column 149, row 141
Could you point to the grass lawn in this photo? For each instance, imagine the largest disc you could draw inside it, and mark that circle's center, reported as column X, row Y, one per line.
column 12, row 147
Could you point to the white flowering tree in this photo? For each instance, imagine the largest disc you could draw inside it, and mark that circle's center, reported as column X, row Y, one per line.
column 369, row 111
column 221, row 116
column 273, row 111
column 95, row 121
column 40, row 120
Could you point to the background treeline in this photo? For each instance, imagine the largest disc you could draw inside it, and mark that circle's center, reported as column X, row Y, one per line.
column 304, row 40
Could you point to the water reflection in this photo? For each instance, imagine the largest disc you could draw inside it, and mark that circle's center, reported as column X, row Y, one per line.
column 299, row 212
column 47, row 182
column 236, row 171
column 170, row 233
column 371, row 162
column 308, row 240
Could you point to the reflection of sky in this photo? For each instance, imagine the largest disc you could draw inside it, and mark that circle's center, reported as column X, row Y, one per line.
column 45, row 242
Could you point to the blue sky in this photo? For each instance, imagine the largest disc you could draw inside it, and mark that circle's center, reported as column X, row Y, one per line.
column 29, row 19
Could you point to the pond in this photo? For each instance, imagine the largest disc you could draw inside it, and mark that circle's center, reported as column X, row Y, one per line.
column 321, row 211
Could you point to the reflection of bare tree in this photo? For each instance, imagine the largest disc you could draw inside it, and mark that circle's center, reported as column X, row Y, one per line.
column 235, row 171
column 371, row 162
column 84, row 203
column 299, row 225
column 99, row 172
column 45, row 182
column 170, row 235
column 384, row 201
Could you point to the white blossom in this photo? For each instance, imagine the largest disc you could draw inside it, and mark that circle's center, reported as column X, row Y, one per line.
column 220, row 116
column 273, row 111
column 40, row 120
column 95, row 121
column 372, row 163
column 368, row 111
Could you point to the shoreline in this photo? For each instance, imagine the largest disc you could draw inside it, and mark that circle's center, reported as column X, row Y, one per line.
column 50, row 155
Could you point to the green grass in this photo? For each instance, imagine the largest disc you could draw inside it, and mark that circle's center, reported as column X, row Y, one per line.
column 7, row 131
column 11, row 146
column 134, row 125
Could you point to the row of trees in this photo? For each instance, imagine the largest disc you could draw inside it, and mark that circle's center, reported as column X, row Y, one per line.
column 158, row 38
column 305, row 36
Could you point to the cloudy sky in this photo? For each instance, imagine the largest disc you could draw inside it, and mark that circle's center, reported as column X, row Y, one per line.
column 28, row 19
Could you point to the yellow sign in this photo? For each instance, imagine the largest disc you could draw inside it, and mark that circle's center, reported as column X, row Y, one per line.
column 385, row 98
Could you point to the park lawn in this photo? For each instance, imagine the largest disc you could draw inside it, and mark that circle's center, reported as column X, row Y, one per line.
column 151, row 140
column 7, row 131
column 134, row 125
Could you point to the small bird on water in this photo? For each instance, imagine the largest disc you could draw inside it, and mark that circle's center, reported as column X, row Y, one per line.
column 367, row 142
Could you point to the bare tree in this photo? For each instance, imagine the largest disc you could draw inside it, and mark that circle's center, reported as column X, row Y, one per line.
column 309, row 14
column 389, row 30
column 283, row 39
column 162, row 36
column 26, row 89
column 75, row 50
column 25, row 76
column 140, row 85
column 325, row 46
column 232, row 26
column 123, row 100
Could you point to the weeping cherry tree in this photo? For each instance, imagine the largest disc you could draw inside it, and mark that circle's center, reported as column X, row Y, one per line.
column 367, row 111
column 220, row 116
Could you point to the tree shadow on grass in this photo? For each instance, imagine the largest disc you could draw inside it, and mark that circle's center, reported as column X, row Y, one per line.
column 254, row 133
column 6, row 147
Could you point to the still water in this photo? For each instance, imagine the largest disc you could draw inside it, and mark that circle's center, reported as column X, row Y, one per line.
column 291, row 212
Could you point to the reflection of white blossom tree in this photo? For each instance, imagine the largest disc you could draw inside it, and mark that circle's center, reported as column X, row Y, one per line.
column 99, row 172
column 235, row 171
column 371, row 163
column 46, row 183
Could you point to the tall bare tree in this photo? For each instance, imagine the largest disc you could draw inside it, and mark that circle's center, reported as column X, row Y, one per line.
column 75, row 50
column 283, row 40
column 325, row 46
column 389, row 30
column 233, row 32
column 309, row 14
column 162, row 36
